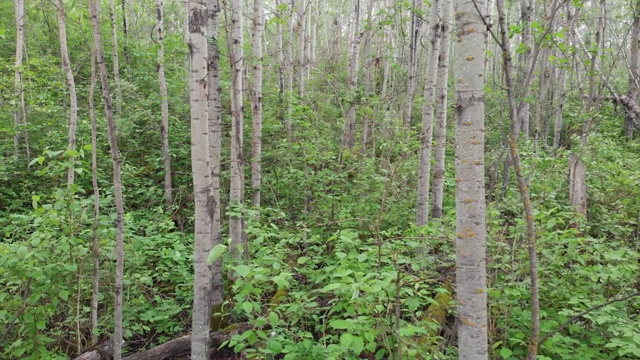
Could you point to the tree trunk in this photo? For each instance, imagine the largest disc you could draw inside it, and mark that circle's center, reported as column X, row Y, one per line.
column 349, row 128
column 591, row 103
column 522, row 184
column 125, row 32
column 577, row 185
column 95, row 243
column 20, row 115
column 471, row 255
column 236, row 196
column 256, row 106
column 114, row 57
column 424, row 167
column 414, row 30
column 301, row 46
column 117, row 182
column 526, row 8
column 215, row 141
column 164, row 125
column 634, row 65
column 73, row 99
column 203, row 200
column 442, row 89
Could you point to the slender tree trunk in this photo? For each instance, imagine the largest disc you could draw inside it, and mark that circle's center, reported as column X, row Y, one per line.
column 281, row 67
column 94, row 8
column 71, row 85
column 424, row 167
column 414, row 30
column 289, row 72
column 95, row 243
column 591, row 102
column 20, row 115
column 522, row 185
column 236, row 196
column 526, row 8
column 114, row 56
column 349, row 128
column 561, row 88
column 256, row 106
column 634, row 65
column 302, row 30
column 470, row 201
column 164, row 125
column 125, row 32
column 203, row 200
column 215, row 141
column 441, row 112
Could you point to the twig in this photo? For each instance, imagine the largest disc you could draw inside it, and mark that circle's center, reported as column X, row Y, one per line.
column 579, row 315
column 25, row 297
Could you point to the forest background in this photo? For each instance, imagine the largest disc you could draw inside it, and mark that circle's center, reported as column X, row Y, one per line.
column 287, row 180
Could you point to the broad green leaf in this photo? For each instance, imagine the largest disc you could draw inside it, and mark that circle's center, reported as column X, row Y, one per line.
column 216, row 253
column 346, row 339
column 64, row 295
column 247, row 307
column 331, row 287
column 243, row 270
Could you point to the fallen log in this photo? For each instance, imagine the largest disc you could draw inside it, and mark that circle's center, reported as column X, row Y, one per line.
column 175, row 347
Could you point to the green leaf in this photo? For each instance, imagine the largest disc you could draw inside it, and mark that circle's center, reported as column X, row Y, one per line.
column 22, row 251
column 340, row 324
column 331, row 287
column 346, row 339
column 357, row 345
column 243, row 270
column 247, row 306
column 505, row 353
column 302, row 260
column 216, row 253
column 275, row 346
column 274, row 318
column 64, row 295
column 362, row 257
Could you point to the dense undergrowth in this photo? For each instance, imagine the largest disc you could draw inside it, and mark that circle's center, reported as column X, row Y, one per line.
column 336, row 268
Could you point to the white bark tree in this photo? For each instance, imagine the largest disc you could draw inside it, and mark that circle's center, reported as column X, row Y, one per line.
column 256, row 102
column 442, row 89
column 236, row 196
column 426, row 136
column 471, row 275
column 94, row 10
column 164, row 123
column 20, row 115
column 71, row 85
column 114, row 55
column 202, row 185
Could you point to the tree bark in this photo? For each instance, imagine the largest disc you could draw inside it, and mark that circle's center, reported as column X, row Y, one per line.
column 94, row 9
column 349, row 128
column 71, row 85
column 236, row 196
column 426, row 136
column 470, row 201
column 164, row 124
column 95, row 243
column 20, row 115
column 114, row 56
column 215, row 141
column 634, row 65
column 256, row 106
column 302, row 62
column 442, row 89
column 202, row 185
column 414, row 35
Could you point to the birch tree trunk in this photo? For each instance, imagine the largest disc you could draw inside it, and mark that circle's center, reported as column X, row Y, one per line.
column 424, row 167
column 20, row 115
column 256, row 106
column 471, row 255
column 125, row 32
column 71, row 85
column 526, row 9
column 301, row 46
column 591, row 103
column 114, row 57
column 164, row 125
column 95, row 244
column 349, row 128
column 634, row 67
column 215, row 142
column 203, row 199
column 236, row 196
column 413, row 60
column 94, row 9
column 442, row 89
